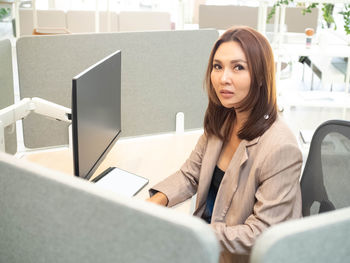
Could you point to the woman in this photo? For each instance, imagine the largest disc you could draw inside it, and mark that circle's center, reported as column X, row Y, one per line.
column 245, row 168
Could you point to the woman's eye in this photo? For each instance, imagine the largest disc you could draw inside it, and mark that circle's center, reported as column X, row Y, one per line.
column 216, row 66
column 238, row 67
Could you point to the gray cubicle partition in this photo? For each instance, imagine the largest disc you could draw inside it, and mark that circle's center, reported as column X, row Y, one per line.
column 7, row 91
column 322, row 238
column 297, row 22
column 225, row 16
column 162, row 74
column 47, row 216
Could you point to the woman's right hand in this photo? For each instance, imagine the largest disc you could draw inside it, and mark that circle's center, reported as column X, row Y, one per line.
column 159, row 199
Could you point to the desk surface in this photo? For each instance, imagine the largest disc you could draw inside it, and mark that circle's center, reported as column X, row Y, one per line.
column 316, row 50
column 154, row 157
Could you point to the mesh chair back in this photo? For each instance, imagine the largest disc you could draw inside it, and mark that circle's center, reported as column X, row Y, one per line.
column 325, row 184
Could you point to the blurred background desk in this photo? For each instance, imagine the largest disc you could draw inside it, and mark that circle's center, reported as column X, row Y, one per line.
column 154, row 157
column 320, row 56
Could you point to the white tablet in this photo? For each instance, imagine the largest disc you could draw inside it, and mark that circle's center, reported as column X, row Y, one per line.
column 120, row 181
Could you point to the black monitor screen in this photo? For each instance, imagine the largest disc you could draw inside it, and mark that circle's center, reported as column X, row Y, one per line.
column 96, row 113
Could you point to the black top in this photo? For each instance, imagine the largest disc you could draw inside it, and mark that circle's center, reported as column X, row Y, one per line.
column 213, row 190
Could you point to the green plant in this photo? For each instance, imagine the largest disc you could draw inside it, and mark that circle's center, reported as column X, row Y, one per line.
column 346, row 16
column 273, row 9
column 4, row 12
column 309, row 8
column 328, row 15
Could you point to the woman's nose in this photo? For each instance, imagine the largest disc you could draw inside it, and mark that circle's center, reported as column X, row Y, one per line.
column 226, row 77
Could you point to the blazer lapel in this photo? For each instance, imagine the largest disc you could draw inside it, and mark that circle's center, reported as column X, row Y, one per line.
column 230, row 180
column 209, row 161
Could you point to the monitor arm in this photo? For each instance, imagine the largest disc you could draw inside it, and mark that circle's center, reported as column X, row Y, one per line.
column 20, row 110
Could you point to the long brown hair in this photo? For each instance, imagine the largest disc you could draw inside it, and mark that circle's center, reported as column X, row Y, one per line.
column 261, row 98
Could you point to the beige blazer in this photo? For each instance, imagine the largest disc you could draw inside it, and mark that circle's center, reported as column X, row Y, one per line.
column 260, row 187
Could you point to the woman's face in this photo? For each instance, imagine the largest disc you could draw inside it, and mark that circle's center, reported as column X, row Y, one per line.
column 230, row 75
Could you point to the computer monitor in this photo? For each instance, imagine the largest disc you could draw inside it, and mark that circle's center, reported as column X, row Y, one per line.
column 96, row 125
column 96, row 113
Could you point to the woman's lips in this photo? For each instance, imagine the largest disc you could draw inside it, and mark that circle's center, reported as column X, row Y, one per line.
column 226, row 94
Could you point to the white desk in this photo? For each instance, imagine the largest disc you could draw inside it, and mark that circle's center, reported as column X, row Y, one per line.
column 154, row 157
column 296, row 46
column 318, row 99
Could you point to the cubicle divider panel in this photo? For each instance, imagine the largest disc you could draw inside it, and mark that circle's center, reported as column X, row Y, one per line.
column 144, row 20
column 321, row 238
column 83, row 21
column 225, row 16
column 162, row 74
column 46, row 19
column 7, row 91
column 52, row 217
column 297, row 22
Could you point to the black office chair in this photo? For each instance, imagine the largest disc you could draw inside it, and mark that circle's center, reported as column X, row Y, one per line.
column 325, row 183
